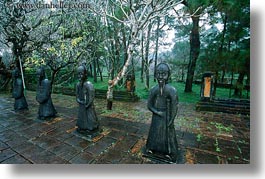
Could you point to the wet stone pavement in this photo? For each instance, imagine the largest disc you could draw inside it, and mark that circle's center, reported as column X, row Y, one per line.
column 203, row 137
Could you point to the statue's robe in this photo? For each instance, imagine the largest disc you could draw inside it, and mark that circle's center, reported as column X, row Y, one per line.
column 43, row 96
column 18, row 94
column 162, row 136
column 87, row 117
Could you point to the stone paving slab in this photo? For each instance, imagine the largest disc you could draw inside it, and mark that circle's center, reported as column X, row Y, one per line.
column 82, row 158
column 17, row 159
column 203, row 137
column 6, row 154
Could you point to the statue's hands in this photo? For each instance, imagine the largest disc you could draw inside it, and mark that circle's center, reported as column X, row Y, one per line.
column 170, row 123
column 80, row 101
column 161, row 114
column 87, row 105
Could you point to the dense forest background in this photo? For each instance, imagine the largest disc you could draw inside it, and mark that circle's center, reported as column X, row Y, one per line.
column 114, row 38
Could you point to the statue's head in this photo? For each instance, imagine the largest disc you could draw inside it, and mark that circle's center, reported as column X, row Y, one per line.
column 41, row 73
column 162, row 72
column 15, row 73
column 82, row 73
column 162, row 75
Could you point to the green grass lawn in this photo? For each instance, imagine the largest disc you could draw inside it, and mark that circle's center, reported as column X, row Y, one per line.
column 143, row 92
column 192, row 97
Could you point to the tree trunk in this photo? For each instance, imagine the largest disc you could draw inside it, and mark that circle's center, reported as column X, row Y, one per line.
column 112, row 68
column 126, row 65
column 239, row 85
column 99, row 71
column 124, row 41
column 222, row 47
column 223, row 76
column 90, row 70
column 121, row 74
column 142, row 54
column 244, row 71
column 94, row 70
column 194, row 52
column 133, row 68
column 156, row 47
column 231, row 84
column 182, row 73
column 147, row 56
column 54, row 72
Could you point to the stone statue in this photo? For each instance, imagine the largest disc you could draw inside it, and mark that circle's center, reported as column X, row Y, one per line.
column 43, row 96
column 163, row 103
column 18, row 91
column 87, row 122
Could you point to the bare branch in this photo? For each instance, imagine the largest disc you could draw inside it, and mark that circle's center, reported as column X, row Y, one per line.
column 123, row 10
column 114, row 17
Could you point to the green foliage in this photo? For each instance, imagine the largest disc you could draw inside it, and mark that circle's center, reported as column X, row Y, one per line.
column 199, row 137
column 195, row 4
column 221, row 128
column 216, row 144
column 121, row 12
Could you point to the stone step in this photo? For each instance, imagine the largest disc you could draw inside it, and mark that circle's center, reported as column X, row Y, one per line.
column 221, row 106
